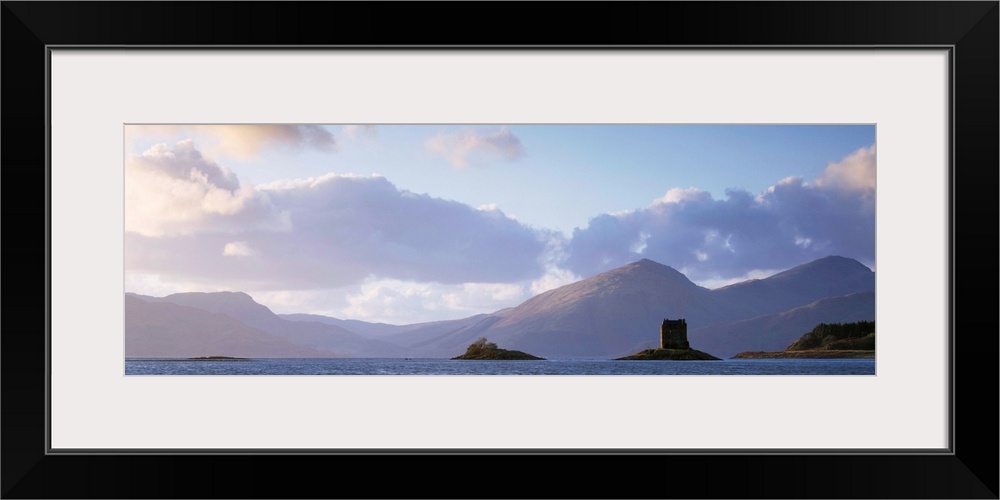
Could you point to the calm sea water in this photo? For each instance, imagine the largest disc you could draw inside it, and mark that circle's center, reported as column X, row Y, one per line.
column 574, row 366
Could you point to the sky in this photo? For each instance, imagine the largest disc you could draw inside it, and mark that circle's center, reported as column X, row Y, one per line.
column 411, row 223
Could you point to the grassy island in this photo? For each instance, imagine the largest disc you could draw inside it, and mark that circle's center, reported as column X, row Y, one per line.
column 481, row 349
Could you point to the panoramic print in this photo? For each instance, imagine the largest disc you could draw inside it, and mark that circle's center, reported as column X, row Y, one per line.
column 499, row 249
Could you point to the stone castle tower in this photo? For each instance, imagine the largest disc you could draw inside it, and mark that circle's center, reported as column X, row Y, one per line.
column 674, row 334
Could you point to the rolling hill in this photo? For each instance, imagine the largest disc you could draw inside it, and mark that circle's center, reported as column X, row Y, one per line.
column 241, row 307
column 612, row 314
column 165, row 330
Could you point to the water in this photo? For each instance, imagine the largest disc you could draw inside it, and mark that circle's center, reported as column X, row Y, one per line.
column 574, row 366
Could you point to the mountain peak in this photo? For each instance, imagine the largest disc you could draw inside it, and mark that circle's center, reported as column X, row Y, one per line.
column 829, row 264
column 644, row 273
column 645, row 264
column 831, row 276
column 224, row 302
column 225, row 295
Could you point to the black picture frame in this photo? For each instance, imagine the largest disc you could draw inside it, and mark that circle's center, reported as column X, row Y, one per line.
column 969, row 470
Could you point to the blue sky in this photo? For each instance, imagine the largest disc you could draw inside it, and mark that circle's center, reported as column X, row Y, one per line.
column 405, row 223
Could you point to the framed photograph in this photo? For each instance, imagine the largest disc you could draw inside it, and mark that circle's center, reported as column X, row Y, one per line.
column 264, row 246
column 509, row 250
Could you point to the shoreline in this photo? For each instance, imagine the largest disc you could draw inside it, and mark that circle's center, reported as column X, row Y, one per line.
column 807, row 354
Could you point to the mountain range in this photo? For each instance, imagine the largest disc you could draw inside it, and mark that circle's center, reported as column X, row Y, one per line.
column 612, row 314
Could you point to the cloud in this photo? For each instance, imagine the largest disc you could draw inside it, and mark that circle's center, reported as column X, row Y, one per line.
column 678, row 195
column 640, row 246
column 243, row 141
column 466, row 148
column 407, row 302
column 238, row 249
column 172, row 191
column 790, row 222
column 322, row 232
column 554, row 277
column 361, row 247
column 359, row 131
column 180, row 161
column 395, row 302
column 854, row 173
column 755, row 274
column 398, row 301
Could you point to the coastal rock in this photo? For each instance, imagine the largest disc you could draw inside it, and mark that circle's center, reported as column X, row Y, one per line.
column 501, row 354
column 481, row 349
column 670, row 354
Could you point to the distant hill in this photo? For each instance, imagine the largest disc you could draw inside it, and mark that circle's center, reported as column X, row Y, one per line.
column 774, row 332
column 164, row 330
column 403, row 335
column 822, row 278
column 363, row 328
column 618, row 312
column 612, row 314
column 243, row 308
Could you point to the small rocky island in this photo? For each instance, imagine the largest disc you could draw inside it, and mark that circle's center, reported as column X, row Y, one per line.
column 674, row 345
column 481, row 349
column 826, row 341
column 216, row 358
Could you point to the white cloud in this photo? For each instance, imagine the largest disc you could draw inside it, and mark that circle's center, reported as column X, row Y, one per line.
column 791, row 221
column 406, row 302
column 756, row 274
column 174, row 191
column 360, row 131
column 854, row 173
column 473, row 297
column 640, row 245
column 238, row 249
column 622, row 214
column 323, row 232
column 152, row 284
column 390, row 302
column 554, row 277
column 190, row 225
column 324, row 302
column 241, row 141
column 467, row 148
column 678, row 195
